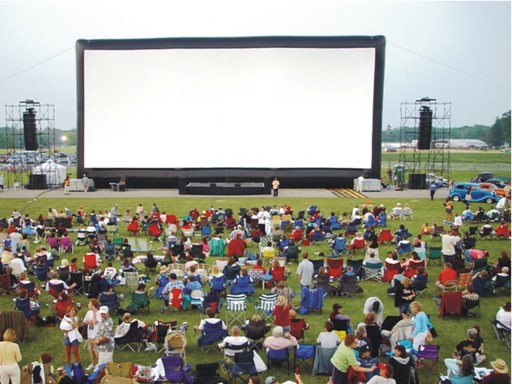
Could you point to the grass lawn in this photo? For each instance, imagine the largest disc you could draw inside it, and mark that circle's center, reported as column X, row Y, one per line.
column 450, row 330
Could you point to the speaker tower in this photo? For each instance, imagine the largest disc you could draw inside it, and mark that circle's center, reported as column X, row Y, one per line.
column 30, row 130
column 425, row 128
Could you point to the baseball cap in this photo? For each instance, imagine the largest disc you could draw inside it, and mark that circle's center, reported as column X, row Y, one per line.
column 365, row 348
column 270, row 380
column 103, row 309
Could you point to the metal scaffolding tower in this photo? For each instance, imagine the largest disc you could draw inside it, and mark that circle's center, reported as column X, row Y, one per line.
column 21, row 160
column 436, row 159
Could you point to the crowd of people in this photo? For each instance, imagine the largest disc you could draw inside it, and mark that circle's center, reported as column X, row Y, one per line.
column 255, row 228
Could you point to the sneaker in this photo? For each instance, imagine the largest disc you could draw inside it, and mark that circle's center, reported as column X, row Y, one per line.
column 150, row 347
column 90, row 367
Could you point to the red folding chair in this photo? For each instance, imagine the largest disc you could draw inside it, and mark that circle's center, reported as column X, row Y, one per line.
column 335, row 268
column 390, row 270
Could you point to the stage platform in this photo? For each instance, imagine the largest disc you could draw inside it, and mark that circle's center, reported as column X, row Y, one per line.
column 228, row 189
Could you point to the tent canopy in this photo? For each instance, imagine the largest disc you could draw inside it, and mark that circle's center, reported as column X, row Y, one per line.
column 55, row 173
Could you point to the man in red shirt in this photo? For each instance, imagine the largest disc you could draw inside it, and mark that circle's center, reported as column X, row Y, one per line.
column 446, row 274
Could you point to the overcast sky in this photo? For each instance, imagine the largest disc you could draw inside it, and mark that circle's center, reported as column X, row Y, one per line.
column 453, row 51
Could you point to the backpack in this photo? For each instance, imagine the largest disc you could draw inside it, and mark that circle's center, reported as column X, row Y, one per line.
column 79, row 375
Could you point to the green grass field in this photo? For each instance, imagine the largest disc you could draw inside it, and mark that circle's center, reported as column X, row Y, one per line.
column 450, row 330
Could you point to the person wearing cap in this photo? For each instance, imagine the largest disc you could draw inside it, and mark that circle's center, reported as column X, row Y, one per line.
column 365, row 360
column 385, row 376
column 344, row 358
column 279, row 340
column 401, row 330
column 104, row 341
column 499, row 375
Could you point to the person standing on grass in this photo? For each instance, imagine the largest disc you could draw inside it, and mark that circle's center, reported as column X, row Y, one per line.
column 10, row 356
column 72, row 338
column 432, row 189
column 275, row 187
column 420, row 324
column 85, row 182
column 92, row 319
column 2, row 182
column 67, row 184
column 105, row 337
column 305, row 271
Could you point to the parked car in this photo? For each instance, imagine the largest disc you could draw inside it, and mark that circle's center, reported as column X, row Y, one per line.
column 439, row 180
column 491, row 187
column 459, row 191
column 484, row 176
column 497, row 182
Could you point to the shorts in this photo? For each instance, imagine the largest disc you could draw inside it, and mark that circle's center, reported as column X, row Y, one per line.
column 68, row 343
column 448, row 210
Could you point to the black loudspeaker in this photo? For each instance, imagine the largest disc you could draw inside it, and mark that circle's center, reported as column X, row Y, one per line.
column 417, row 181
column 37, row 182
column 30, row 130
column 425, row 127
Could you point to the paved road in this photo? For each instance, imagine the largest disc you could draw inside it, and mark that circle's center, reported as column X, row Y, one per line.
column 173, row 193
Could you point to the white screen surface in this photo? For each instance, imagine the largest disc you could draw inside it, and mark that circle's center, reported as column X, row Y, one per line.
column 229, row 108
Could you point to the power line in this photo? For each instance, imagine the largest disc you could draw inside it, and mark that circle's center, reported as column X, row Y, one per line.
column 35, row 65
column 452, row 68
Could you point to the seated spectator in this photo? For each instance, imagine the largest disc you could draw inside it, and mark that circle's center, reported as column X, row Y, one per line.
column 293, row 319
column 446, row 274
column 231, row 270
column 279, row 340
column 282, row 289
column 323, row 281
column 242, row 283
column 486, row 229
column 475, row 254
column 425, row 230
column 281, row 313
column 140, row 298
column 400, row 331
column 403, row 366
column 420, row 279
column 460, row 370
column 234, row 340
column 503, row 261
column 504, row 316
column 327, row 338
column 366, row 361
column 236, row 246
column 336, row 314
column 210, row 318
column 256, row 328
column 502, row 229
column 499, row 375
column 469, row 346
column 268, row 251
column 55, row 281
column 483, row 284
column 470, row 299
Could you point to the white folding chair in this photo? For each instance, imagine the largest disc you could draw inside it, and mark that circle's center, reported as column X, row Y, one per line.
column 236, row 309
column 266, row 305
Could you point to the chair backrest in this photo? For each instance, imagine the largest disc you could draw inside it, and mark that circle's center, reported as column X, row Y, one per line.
column 429, row 352
column 267, row 302
column 278, row 273
column 451, row 285
column 297, row 328
column 340, row 244
column 340, row 325
column 335, row 267
column 236, row 302
column 90, row 260
column 435, row 253
column 316, row 265
column 464, row 280
column 278, row 354
column 55, row 289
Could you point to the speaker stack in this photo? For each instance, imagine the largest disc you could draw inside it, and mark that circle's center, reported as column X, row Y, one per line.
column 425, row 128
column 30, row 130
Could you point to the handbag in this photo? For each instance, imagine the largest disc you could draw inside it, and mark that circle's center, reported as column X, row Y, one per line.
column 429, row 337
column 259, row 363
column 120, row 369
column 109, row 379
